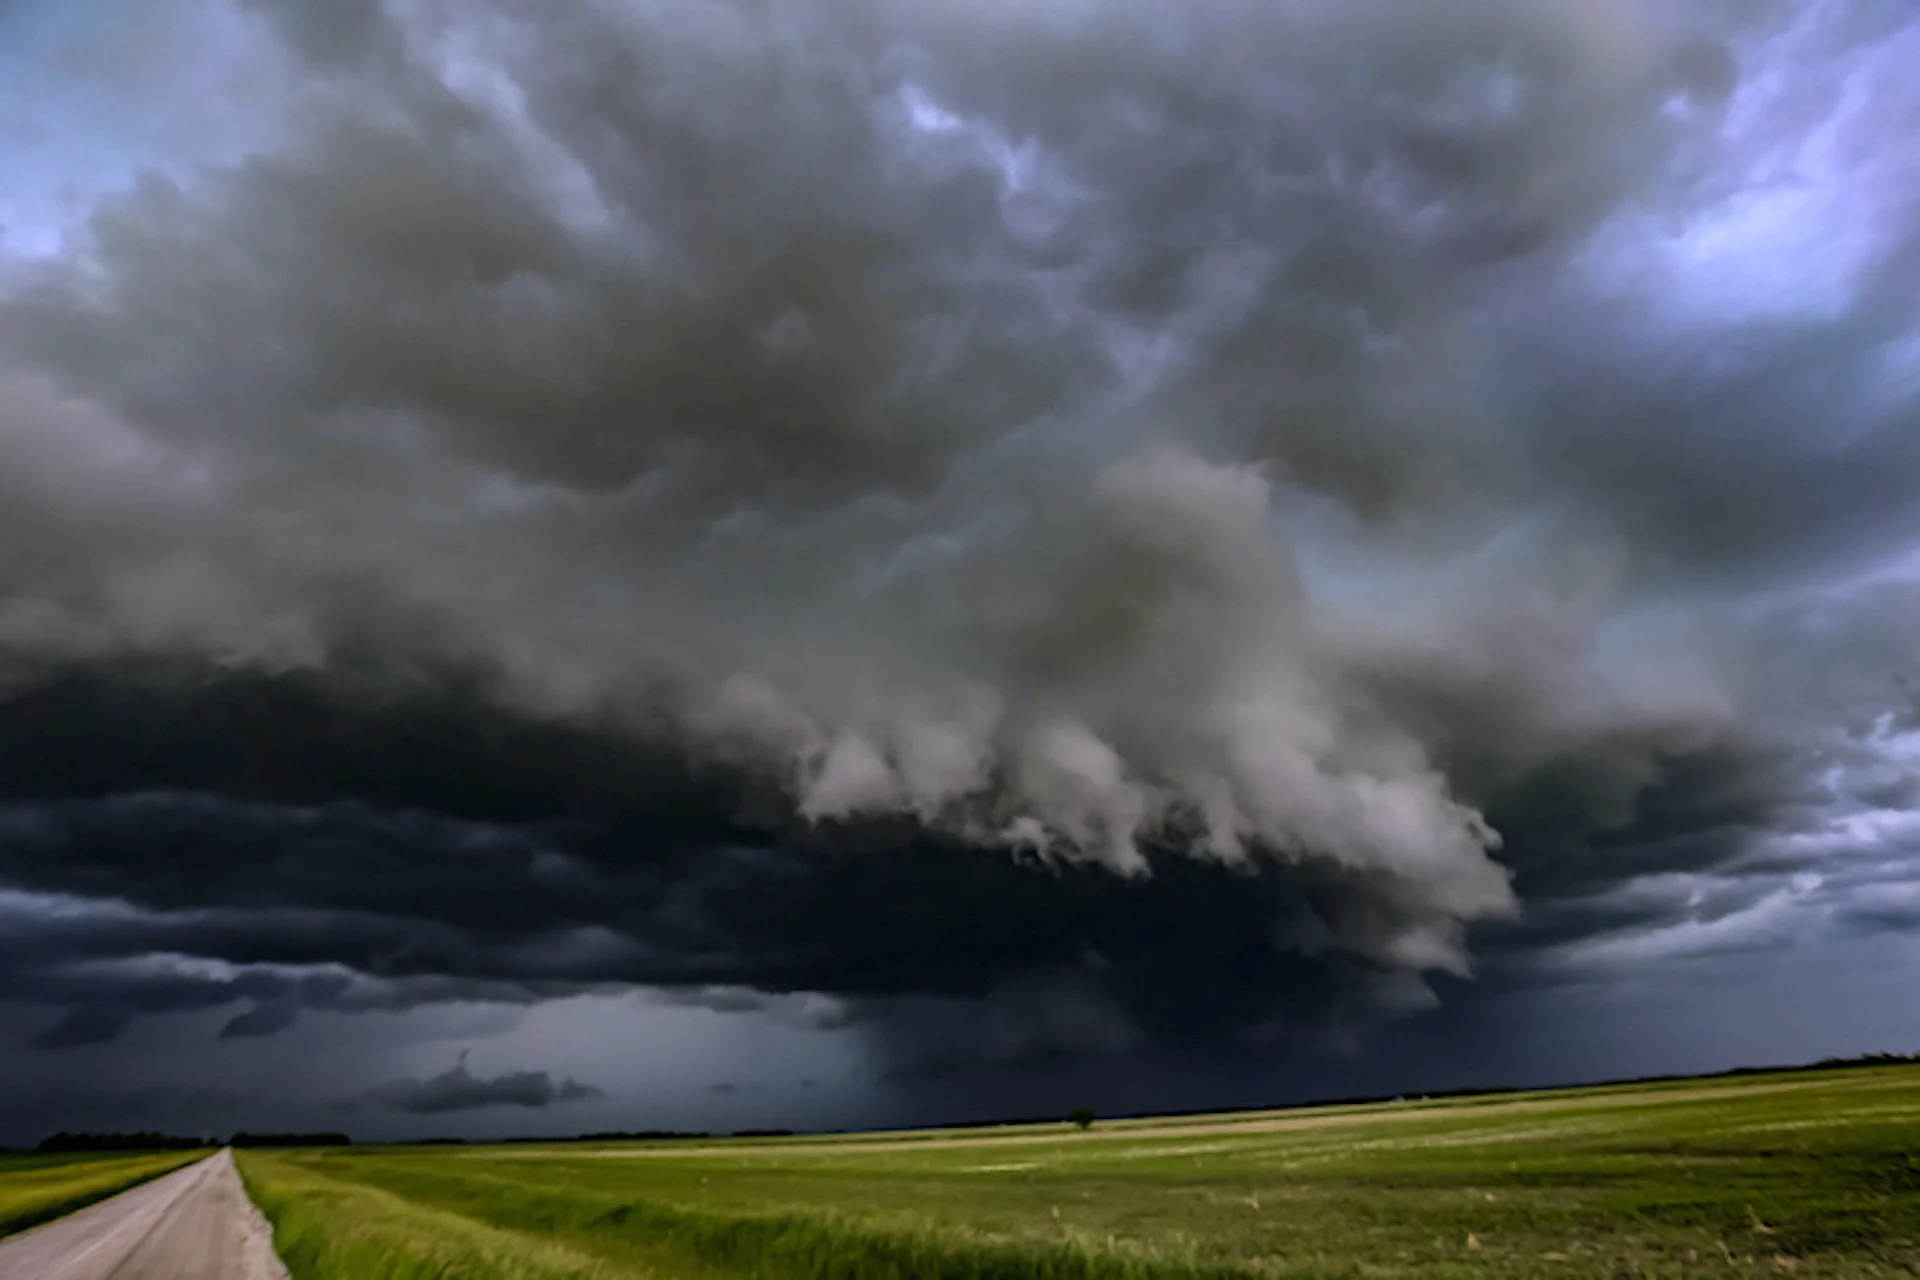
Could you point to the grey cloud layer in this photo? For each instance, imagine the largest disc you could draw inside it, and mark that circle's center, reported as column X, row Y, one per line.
column 913, row 503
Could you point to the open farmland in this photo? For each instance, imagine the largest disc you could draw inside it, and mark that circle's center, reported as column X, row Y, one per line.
column 39, row 1188
column 1809, row 1174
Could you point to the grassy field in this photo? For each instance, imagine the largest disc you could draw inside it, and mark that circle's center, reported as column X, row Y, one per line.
column 1811, row 1174
column 38, row 1188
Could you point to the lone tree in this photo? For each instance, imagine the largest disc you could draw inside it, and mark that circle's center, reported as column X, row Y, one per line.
column 1082, row 1116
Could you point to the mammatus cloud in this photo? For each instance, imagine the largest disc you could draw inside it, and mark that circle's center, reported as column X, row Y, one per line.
column 1130, row 525
column 457, row 1089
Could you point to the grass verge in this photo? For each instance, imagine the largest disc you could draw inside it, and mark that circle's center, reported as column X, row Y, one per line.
column 329, row 1228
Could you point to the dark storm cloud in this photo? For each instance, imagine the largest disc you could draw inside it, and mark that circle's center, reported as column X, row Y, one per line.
column 269, row 1017
column 458, row 1089
column 81, row 1027
column 338, row 905
column 1051, row 526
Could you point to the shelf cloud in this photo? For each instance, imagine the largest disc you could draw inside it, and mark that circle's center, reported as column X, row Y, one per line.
column 1087, row 524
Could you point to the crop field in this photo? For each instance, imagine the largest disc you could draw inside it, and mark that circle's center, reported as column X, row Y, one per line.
column 1812, row 1174
column 38, row 1188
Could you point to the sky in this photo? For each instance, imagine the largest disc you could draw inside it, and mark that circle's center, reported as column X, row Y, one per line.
column 673, row 564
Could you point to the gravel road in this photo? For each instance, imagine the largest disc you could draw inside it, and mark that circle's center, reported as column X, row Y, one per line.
column 193, row 1224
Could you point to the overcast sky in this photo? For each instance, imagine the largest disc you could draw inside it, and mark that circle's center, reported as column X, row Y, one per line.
column 686, row 564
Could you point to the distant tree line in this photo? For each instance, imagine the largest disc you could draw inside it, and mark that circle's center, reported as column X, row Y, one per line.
column 142, row 1141
column 290, row 1140
column 148, row 1141
column 1864, row 1060
column 628, row 1135
column 623, row 1135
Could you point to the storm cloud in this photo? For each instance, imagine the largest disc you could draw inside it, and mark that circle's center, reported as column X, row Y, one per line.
column 458, row 1089
column 1044, row 528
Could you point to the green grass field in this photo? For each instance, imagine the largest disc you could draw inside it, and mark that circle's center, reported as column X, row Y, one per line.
column 38, row 1188
column 1808, row 1174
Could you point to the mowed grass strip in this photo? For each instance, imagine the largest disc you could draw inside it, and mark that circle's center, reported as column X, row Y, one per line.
column 331, row 1227
column 37, row 1189
column 1809, row 1174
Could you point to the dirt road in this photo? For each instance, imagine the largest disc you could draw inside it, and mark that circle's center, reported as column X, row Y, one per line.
column 194, row 1224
